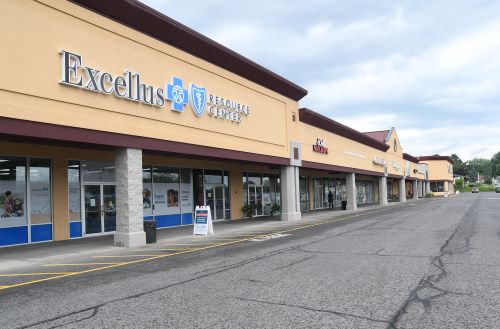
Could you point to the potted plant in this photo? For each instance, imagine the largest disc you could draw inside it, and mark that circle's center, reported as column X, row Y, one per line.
column 275, row 208
column 249, row 210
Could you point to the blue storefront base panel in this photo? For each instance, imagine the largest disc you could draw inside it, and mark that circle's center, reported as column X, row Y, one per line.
column 75, row 230
column 172, row 220
column 13, row 235
column 168, row 220
column 41, row 233
column 187, row 219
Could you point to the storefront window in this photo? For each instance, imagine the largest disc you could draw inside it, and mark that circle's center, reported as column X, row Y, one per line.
column 147, row 191
column 365, row 192
column 437, row 186
column 40, row 196
column 166, row 190
column 199, row 196
column 97, row 172
column 186, row 196
column 304, row 193
column 12, row 192
column 74, row 192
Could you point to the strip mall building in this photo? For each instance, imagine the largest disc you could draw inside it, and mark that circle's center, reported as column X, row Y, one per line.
column 110, row 115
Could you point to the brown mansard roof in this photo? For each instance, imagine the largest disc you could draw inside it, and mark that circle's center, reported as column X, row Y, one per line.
column 320, row 121
column 436, row 157
column 410, row 157
column 140, row 17
column 380, row 136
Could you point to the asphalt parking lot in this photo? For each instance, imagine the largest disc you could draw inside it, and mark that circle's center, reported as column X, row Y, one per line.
column 426, row 264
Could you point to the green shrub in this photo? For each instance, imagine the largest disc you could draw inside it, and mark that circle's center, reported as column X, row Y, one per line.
column 429, row 195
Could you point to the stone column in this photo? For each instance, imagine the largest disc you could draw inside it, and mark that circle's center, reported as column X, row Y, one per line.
column 350, row 181
column 129, row 217
column 420, row 189
column 427, row 187
column 290, row 193
column 415, row 189
column 402, row 191
column 382, row 190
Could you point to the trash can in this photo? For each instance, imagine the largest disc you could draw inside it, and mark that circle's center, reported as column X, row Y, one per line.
column 150, row 229
column 344, row 205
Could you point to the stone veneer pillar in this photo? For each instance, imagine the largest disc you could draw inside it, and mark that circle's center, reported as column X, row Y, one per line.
column 402, row 190
column 129, row 217
column 290, row 194
column 382, row 190
column 350, row 181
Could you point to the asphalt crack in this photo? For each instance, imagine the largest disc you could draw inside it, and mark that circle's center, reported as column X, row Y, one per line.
column 338, row 313
column 427, row 289
column 295, row 262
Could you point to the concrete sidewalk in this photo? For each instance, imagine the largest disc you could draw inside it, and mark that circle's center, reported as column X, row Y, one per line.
column 19, row 257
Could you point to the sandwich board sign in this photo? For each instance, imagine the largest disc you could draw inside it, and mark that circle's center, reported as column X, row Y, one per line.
column 203, row 221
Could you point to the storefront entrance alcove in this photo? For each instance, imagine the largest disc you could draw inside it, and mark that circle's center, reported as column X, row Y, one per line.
column 99, row 207
column 98, row 202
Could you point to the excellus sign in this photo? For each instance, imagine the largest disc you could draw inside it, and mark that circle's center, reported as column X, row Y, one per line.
column 130, row 87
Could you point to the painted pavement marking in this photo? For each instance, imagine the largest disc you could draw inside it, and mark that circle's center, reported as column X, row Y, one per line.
column 83, row 264
column 190, row 250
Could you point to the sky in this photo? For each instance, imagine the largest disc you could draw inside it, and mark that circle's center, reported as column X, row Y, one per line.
column 429, row 68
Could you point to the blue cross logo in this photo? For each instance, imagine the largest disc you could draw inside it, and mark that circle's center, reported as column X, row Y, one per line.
column 177, row 94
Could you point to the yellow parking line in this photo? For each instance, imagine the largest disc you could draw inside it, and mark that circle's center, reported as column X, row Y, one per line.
column 123, row 256
column 113, row 265
column 194, row 244
column 34, row 274
column 172, row 249
column 82, row 264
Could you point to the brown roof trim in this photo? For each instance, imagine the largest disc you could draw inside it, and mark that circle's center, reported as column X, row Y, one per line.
column 440, row 180
column 410, row 158
column 320, row 121
column 394, row 176
column 57, row 134
column 329, row 167
column 436, row 157
column 142, row 18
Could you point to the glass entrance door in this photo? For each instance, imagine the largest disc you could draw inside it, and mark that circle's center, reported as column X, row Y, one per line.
column 255, row 197
column 99, row 208
column 215, row 200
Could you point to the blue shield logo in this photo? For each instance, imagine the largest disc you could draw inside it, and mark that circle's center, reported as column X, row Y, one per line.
column 198, row 99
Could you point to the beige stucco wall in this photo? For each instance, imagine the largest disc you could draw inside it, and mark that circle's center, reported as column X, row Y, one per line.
column 347, row 153
column 439, row 170
column 31, row 71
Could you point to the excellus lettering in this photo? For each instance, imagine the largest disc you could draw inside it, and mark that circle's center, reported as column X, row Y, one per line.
column 131, row 87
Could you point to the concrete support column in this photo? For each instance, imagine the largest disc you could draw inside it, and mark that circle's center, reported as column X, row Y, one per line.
column 129, row 217
column 420, row 189
column 290, row 193
column 382, row 190
column 415, row 189
column 402, row 191
column 427, row 187
column 350, row 181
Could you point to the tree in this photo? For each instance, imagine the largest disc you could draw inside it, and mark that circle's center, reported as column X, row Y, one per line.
column 459, row 167
column 473, row 175
column 495, row 163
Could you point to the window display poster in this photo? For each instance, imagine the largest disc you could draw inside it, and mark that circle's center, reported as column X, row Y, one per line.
column 147, row 199
column 12, row 204
column 186, row 197
column 166, row 198
column 41, row 210
column 74, row 200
